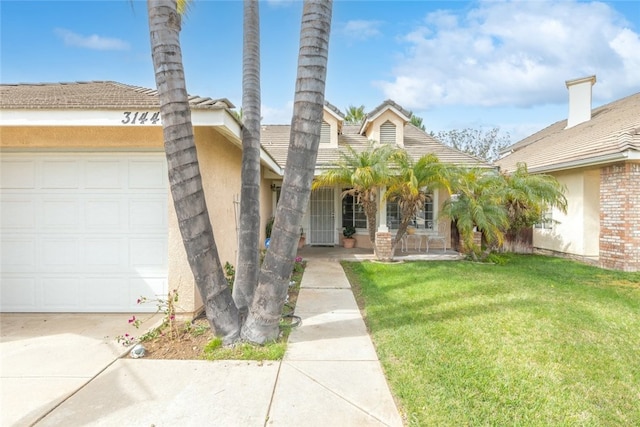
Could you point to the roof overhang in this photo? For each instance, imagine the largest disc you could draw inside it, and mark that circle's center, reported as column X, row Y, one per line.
column 220, row 118
column 593, row 161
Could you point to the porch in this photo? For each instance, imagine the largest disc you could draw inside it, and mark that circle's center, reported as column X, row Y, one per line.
column 338, row 253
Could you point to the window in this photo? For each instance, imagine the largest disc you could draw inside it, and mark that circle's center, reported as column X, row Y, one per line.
column 352, row 212
column 547, row 221
column 325, row 133
column 388, row 133
column 423, row 219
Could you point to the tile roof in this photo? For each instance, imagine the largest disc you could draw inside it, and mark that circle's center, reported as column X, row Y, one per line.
column 613, row 129
column 275, row 140
column 90, row 96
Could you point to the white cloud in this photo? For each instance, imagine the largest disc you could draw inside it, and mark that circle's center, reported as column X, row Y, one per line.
column 94, row 41
column 514, row 53
column 360, row 29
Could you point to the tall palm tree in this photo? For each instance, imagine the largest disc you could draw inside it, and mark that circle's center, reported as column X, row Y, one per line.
column 364, row 174
column 262, row 324
column 184, row 172
column 248, row 264
column 355, row 115
column 410, row 186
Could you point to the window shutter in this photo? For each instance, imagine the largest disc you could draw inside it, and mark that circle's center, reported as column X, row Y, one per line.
column 388, row 133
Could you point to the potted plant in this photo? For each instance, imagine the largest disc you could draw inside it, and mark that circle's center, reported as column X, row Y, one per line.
column 349, row 241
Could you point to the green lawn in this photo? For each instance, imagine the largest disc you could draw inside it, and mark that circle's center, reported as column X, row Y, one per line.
column 537, row 341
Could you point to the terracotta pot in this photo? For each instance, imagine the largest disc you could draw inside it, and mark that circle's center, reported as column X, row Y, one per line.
column 348, row 243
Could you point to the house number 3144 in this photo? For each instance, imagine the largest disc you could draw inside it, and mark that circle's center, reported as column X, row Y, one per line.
column 139, row 118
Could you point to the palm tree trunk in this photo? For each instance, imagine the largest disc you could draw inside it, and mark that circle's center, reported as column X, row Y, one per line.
column 184, row 171
column 262, row 324
column 249, row 236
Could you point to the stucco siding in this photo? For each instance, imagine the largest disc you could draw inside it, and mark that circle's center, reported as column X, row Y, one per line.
column 567, row 233
column 77, row 137
column 220, row 165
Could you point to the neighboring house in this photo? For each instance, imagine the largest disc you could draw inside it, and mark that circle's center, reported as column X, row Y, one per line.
column 328, row 212
column 87, row 223
column 596, row 155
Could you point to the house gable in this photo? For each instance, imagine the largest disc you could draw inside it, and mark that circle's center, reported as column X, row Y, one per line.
column 332, row 120
column 386, row 124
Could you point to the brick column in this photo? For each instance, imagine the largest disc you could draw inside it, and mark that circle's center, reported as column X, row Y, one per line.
column 620, row 217
column 384, row 247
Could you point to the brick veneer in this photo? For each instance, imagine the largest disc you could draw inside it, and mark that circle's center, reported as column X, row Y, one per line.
column 384, row 246
column 620, row 216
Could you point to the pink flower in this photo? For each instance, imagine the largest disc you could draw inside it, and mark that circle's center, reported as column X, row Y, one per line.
column 139, row 301
column 299, row 259
column 133, row 319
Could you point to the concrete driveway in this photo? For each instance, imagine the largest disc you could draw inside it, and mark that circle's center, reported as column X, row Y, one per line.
column 44, row 358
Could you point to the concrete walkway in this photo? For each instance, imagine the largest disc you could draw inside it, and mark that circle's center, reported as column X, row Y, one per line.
column 69, row 371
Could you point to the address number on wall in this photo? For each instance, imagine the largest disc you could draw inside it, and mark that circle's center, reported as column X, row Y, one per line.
column 140, row 118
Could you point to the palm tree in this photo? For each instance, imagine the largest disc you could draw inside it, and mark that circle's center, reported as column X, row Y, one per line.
column 364, row 174
column 248, row 265
column 355, row 115
column 262, row 324
column 417, row 121
column 410, row 186
column 478, row 203
column 184, row 172
column 528, row 196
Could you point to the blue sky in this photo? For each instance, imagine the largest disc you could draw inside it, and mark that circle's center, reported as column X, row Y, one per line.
column 456, row 64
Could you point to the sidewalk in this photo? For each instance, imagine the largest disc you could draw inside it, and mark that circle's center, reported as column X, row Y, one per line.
column 330, row 375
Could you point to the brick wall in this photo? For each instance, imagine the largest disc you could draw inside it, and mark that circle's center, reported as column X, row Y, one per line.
column 620, row 217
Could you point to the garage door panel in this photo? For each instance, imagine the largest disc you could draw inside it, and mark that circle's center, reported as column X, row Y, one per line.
column 101, row 214
column 60, row 174
column 147, row 174
column 60, row 254
column 70, row 224
column 61, row 292
column 105, row 254
column 16, row 213
column 60, row 213
column 103, row 174
column 18, row 254
column 17, row 174
column 19, row 292
column 147, row 254
column 147, row 214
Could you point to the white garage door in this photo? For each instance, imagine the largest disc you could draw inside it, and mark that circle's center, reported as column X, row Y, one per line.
column 82, row 232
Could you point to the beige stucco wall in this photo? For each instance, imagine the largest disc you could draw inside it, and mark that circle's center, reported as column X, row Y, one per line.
column 577, row 232
column 80, row 137
column 220, row 163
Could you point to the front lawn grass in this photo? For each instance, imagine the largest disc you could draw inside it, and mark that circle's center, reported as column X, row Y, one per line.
column 537, row 341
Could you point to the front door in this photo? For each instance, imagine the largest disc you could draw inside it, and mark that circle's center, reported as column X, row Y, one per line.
column 321, row 216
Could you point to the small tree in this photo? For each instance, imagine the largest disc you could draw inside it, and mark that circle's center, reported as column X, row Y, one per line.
column 478, row 204
column 411, row 185
column 527, row 198
column 477, row 142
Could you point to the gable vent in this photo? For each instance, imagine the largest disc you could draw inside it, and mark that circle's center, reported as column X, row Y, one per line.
column 325, row 133
column 388, row 133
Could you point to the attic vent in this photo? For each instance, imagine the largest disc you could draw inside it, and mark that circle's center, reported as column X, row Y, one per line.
column 325, row 133
column 387, row 133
